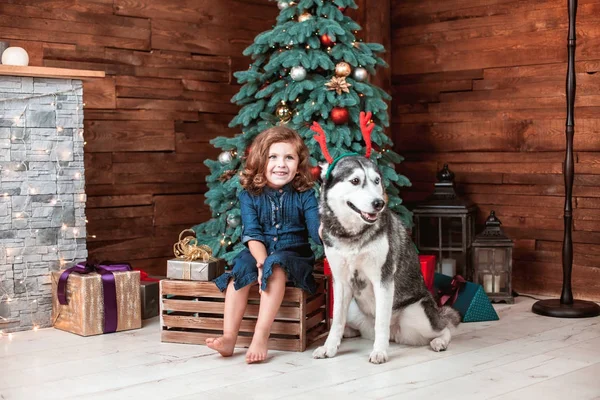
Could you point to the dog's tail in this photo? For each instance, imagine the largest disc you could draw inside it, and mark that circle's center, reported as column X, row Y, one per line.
column 450, row 315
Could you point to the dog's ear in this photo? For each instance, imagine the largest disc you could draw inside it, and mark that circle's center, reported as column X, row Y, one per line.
column 324, row 167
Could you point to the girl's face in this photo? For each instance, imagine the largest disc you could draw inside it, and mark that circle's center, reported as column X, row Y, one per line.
column 282, row 164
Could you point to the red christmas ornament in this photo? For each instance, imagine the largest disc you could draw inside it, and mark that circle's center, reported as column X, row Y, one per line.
column 315, row 172
column 342, row 9
column 326, row 41
column 339, row 115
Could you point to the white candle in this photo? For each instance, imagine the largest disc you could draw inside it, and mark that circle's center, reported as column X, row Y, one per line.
column 487, row 283
column 448, row 266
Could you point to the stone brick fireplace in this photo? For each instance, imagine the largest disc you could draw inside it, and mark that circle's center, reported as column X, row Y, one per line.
column 42, row 196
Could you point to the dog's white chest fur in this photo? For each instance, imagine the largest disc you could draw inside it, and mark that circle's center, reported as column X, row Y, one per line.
column 361, row 267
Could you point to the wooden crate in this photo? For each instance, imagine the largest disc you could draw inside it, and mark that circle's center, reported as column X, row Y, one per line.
column 192, row 311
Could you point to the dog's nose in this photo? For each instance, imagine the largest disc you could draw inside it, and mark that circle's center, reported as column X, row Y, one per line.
column 378, row 204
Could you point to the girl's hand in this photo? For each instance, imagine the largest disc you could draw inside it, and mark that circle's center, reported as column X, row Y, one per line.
column 259, row 265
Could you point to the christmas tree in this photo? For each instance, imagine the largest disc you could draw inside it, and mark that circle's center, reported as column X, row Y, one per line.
column 310, row 67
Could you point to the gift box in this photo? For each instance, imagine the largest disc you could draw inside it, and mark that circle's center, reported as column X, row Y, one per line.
column 428, row 270
column 149, row 296
column 468, row 298
column 92, row 300
column 197, row 270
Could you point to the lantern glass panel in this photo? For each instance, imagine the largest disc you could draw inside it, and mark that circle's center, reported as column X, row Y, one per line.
column 449, row 228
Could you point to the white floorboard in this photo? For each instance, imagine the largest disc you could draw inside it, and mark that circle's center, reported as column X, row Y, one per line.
column 522, row 356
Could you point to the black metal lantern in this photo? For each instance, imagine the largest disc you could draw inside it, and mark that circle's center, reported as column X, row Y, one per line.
column 492, row 261
column 445, row 225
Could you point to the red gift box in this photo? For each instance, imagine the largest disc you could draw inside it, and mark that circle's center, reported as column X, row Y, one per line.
column 428, row 270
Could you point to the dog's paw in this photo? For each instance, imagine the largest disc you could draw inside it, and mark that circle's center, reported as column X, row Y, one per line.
column 438, row 344
column 378, row 357
column 325, row 351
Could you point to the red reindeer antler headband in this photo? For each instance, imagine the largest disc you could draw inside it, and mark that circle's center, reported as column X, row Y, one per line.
column 366, row 127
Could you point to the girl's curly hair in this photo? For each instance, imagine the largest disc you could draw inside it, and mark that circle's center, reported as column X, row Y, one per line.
column 253, row 177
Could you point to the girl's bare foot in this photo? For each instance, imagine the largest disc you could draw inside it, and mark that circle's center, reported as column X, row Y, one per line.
column 224, row 345
column 257, row 351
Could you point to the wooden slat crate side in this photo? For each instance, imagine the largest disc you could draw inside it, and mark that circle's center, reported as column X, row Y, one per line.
column 214, row 307
column 316, row 303
column 216, row 324
column 315, row 319
column 187, row 320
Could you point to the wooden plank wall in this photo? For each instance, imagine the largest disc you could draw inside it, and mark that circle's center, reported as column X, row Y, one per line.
column 169, row 66
column 482, row 87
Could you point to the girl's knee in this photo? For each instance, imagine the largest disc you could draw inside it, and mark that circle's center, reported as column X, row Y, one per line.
column 278, row 272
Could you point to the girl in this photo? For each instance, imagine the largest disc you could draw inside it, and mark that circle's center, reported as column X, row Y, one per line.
column 279, row 212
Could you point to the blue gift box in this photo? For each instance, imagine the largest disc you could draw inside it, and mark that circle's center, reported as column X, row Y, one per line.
column 472, row 302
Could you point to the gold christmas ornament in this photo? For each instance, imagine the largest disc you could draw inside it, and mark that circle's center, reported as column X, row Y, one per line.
column 343, row 69
column 283, row 112
column 338, row 84
column 304, row 17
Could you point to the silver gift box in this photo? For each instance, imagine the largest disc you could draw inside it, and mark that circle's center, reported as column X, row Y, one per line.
column 178, row 268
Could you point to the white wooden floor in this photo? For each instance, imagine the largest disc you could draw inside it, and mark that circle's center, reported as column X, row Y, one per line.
column 522, row 356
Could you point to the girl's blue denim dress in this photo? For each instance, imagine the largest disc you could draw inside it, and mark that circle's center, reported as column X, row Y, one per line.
column 282, row 220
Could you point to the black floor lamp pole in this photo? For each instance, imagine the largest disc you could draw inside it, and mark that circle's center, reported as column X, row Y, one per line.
column 566, row 307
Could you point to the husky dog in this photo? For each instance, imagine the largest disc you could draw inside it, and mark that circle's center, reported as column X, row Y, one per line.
column 377, row 283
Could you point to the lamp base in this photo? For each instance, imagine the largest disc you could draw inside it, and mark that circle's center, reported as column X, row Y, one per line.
column 554, row 308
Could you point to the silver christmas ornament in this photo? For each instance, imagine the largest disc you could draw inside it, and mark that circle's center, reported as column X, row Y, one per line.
column 298, row 73
column 282, row 5
column 360, row 74
column 233, row 220
column 225, row 157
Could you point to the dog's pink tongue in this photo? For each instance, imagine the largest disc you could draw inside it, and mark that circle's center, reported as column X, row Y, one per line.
column 371, row 217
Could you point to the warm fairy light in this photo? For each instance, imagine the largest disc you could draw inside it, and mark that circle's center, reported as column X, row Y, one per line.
column 59, row 129
column 86, row 221
column 64, row 227
column 35, row 327
column 5, row 194
column 53, row 202
column 10, row 336
column 77, row 175
column 75, row 231
column 31, row 190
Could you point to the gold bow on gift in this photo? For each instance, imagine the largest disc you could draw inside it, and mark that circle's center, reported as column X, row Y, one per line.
column 188, row 248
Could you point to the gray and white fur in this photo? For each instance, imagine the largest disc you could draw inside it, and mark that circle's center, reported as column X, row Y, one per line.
column 378, row 287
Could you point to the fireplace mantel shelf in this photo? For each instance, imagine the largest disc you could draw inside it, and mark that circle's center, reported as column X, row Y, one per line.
column 47, row 72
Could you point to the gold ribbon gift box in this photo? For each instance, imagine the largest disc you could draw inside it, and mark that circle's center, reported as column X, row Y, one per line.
column 84, row 313
column 194, row 262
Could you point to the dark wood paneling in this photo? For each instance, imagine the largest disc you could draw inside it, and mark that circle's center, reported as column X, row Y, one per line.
column 481, row 86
